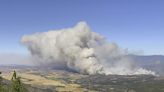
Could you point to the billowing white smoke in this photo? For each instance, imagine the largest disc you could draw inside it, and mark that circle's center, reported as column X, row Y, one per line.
column 80, row 50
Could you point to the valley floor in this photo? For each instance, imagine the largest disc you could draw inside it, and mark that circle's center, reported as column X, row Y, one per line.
column 63, row 81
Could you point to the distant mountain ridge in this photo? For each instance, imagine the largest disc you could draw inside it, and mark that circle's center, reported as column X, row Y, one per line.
column 151, row 62
column 149, row 58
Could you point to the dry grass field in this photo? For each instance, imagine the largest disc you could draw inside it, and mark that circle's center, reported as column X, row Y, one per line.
column 59, row 81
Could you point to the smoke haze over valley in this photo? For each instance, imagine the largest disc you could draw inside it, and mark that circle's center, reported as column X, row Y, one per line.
column 81, row 50
column 81, row 46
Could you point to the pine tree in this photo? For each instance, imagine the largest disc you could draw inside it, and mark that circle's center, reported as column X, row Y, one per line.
column 16, row 85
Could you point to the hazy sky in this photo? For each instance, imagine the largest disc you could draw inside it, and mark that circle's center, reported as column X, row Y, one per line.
column 134, row 24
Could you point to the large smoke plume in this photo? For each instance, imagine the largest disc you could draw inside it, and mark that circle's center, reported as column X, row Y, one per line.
column 81, row 50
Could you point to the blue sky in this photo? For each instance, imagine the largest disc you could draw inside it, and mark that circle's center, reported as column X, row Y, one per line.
column 134, row 24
